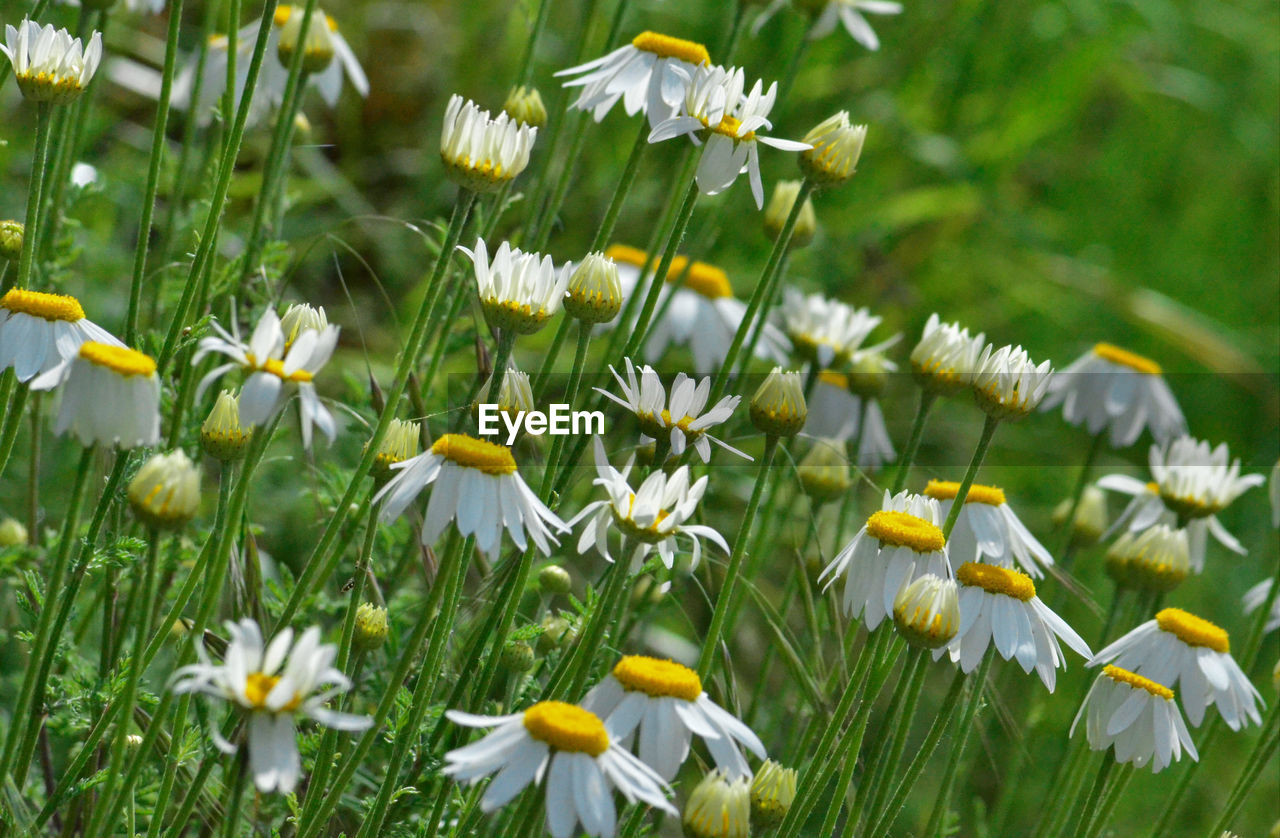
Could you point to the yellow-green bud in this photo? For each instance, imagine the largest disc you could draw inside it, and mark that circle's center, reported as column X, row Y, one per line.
column 778, row 407
column 772, row 792
column 926, row 612
column 165, row 493
column 317, row 45
column 778, row 210
column 1157, row 559
column 718, row 807
column 868, row 374
column 524, row 105
column 515, row 396
column 12, row 533
column 517, row 656
column 594, row 294
column 554, row 579
column 371, row 627
column 221, row 436
column 837, row 145
column 556, row 632
column 11, row 240
column 824, row 470
column 132, row 741
column 301, row 317
column 399, row 444
column 1091, row 516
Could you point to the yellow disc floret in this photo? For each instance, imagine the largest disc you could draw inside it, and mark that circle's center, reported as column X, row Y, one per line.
column 1125, row 358
column 118, row 359
column 665, row 46
column 479, row 454
column 1124, row 676
column 996, row 580
column 707, row 280
column 627, row 254
column 283, row 13
column 1193, row 630
column 835, row 379
column 657, row 678
column 900, row 529
column 947, row 490
column 567, row 727
column 49, row 306
column 258, row 685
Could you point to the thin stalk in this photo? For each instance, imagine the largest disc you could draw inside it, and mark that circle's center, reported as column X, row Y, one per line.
column 235, row 792
column 12, row 422
column 623, row 189
column 927, row 398
column 964, row 728
column 535, row 34
column 770, row 303
column 31, row 231
column 571, row 395
column 506, row 342
column 1106, row 804
column 984, row 442
column 884, row 760
column 578, row 660
column 1058, row 805
column 1263, row 754
column 1067, row 554
column 641, row 327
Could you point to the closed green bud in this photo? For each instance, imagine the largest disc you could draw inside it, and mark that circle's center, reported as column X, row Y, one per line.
column 517, row 656
column 824, row 471
column 778, row 407
column 221, row 436
column 524, row 105
column 594, row 293
column 554, row 579
column 371, row 627
column 556, row 632
column 773, row 790
column 12, row 533
column 779, row 208
column 11, row 240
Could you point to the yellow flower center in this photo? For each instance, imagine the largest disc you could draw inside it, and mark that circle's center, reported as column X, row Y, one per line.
column 1124, row 676
column 627, row 254
column 567, row 727
column 49, row 306
column 902, row 530
column 996, row 580
column 835, row 379
column 258, row 685
column 1193, row 630
column 488, row 457
column 1125, row 358
column 283, row 13
column 933, row 368
column 118, row 359
column 657, row 678
column 276, row 368
column 947, row 490
column 730, row 126
column 665, row 46
column 707, row 280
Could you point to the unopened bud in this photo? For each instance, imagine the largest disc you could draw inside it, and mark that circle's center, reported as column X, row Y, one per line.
column 556, row 632
column 772, row 792
column 11, row 240
column 12, row 533
column 778, row 407
column 837, row 146
column 221, row 436
column 718, row 807
column 524, row 105
column 594, row 294
column 517, row 656
column 779, row 208
column 371, row 627
column 317, row 45
column 165, row 493
column 1091, row 516
column 554, row 579
column 824, row 471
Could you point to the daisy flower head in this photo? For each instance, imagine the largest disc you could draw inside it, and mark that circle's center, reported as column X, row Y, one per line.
column 1136, row 716
column 987, row 529
column 926, row 611
column 400, row 443
column 1179, row 649
column 663, row 703
column 525, row 106
column 683, row 419
column 1000, row 604
column 1114, row 390
column 727, row 120
column 48, row 64
column 1155, row 559
column 322, row 44
column 221, row 436
column 898, row 544
column 1007, row 383
column 823, row 472
column 835, row 146
column 778, row 210
column 518, row 291
column 651, row 517
column 480, row 152
column 946, row 356
column 478, row 488
column 824, row 331
column 718, row 807
column 1255, row 597
column 515, row 394
column 165, row 492
column 317, row 43
column 778, row 407
column 1196, row 481
column 111, row 395
column 648, row 74
column 571, row 748
column 1090, row 518
column 849, row 13
column 39, row 331
column 773, row 790
column 594, row 292
column 275, row 684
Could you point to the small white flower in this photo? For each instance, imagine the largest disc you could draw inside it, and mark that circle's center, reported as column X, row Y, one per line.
column 483, row 152
column 988, row 530
column 1255, row 597
column 728, row 122
column 896, row 546
column 664, row 704
column 478, row 488
column 1008, row 383
column 39, row 332
column 1114, row 390
column 650, row 518
column 48, row 64
column 275, row 685
column 111, row 396
column 165, row 493
column 648, row 74
column 573, row 749
column 1138, row 717
column 946, row 357
column 684, row 419
column 1179, row 649
column 518, row 291
column 999, row 604
column 825, row 331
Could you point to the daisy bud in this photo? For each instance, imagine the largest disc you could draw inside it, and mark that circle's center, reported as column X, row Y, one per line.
column 221, row 436
column 524, row 105
column 515, row 396
column 180, row 629
column 371, row 627
column 1091, row 516
column 772, row 792
column 165, row 493
column 12, row 533
column 778, row 407
column 1156, row 559
column 946, row 356
column 837, row 145
column 718, row 808
column 554, row 579
column 594, row 294
column 779, row 209
column 482, row 153
column 556, row 632
column 132, row 741
column 869, row 375
column 399, row 444
column 647, row 591
column 926, row 612
column 11, row 240
column 824, row 471
column 317, row 43
column 49, row 65
column 517, row 657
column 1116, row 561
column 1008, row 384
column 299, row 318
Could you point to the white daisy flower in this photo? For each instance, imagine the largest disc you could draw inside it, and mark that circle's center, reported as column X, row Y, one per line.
column 165, row 492
column 270, row 365
column 1118, row 391
column 946, row 357
column 684, row 419
column 275, row 684
column 1255, row 597
column 1007, row 383
column 111, row 395
column 926, row 612
column 327, row 82
column 1155, row 559
column 1000, row 604
column 48, row 64
column 851, row 14
column 478, row 488
column 702, row 311
column 718, row 807
column 482, row 152
column 836, row 413
column 573, row 749
column 39, row 332
column 727, row 122
column 663, row 703
column 1179, row 649
column 651, row 517
column 1136, row 716
column 988, row 530
column 897, row 545
column 824, row 331
column 518, row 291
column 648, row 74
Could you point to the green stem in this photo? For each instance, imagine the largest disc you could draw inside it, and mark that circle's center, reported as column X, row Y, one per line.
column 506, row 342
column 965, row 726
column 1067, row 554
column 1060, row 802
column 12, row 422
column 641, row 327
column 235, row 792
column 1263, row 754
column 535, row 35
column 884, row 759
column 770, row 303
column 927, row 398
column 623, row 189
column 31, row 230
column 571, row 395
column 984, row 442
column 1106, row 804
